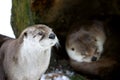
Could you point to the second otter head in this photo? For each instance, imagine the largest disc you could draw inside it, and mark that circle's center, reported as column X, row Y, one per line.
column 81, row 47
column 85, row 42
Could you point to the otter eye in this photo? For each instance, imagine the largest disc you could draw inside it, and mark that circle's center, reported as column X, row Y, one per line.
column 72, row 49
column 40, row 33
column 25, row 34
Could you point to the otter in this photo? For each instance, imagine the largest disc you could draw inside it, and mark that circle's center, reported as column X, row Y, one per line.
column 85, row 44
column 107, row 67
column 28, row 56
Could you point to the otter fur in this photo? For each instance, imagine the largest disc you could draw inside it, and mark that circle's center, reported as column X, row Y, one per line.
column 28, row 56
column 107, row 66
column 85, row 44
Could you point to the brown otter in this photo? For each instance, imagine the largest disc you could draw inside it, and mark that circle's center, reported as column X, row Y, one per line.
column 107, row 67
column 85, row 44
column 27, row 57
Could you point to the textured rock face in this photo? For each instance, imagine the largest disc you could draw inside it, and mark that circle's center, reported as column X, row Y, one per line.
column 59, row 14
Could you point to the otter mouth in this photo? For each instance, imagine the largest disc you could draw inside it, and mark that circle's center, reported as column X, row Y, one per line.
column 92, row 58
column 57, row 44
column 95, row 56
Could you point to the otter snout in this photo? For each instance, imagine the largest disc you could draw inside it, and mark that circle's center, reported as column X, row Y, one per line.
column 94, row 58
column 52, row 36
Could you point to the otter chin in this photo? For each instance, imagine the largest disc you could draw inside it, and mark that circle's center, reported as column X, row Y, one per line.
column 85, row 43
column 28, row 56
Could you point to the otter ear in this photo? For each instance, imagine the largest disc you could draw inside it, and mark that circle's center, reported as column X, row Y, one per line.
column 25, row 34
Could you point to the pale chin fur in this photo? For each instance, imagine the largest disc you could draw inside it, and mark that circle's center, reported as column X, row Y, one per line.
column 49, row 43
column 31, row 51
column 79, row 58
column 100, row 43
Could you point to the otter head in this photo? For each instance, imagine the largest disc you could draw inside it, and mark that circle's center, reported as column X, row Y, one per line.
column 81, row 47
column 40, row 36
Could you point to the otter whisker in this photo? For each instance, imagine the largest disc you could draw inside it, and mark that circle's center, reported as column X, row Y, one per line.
column 57, row 45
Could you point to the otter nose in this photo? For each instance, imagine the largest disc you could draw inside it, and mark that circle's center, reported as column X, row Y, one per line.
column 52, row 36
column 94, row 58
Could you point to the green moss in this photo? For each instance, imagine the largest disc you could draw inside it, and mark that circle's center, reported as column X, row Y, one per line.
column 21, row 15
